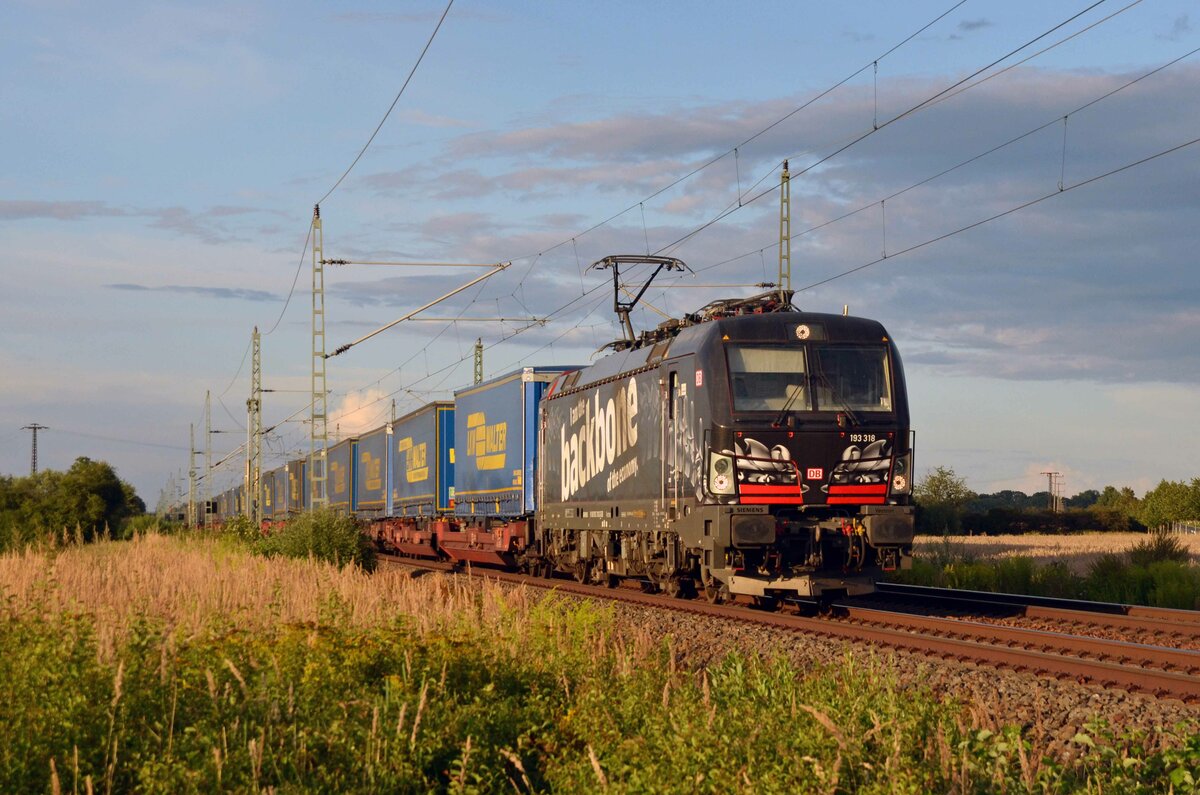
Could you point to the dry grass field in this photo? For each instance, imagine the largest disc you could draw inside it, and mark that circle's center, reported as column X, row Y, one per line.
column 187, row 587
column 1077, row 552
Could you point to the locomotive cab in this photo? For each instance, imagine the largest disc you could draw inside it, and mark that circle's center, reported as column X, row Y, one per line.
column 813, row 428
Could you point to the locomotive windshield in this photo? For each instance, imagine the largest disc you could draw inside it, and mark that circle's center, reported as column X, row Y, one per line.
column 851, row 378
column 764, row 379
column 841, row 378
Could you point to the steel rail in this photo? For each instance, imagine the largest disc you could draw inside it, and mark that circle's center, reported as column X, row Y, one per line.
column 1162, row 657
column 1108, row 614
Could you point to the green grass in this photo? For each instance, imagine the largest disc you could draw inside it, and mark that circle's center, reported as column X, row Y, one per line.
column 307, row 677
column 328, row 709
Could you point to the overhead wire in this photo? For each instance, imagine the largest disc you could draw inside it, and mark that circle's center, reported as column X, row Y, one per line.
column 358, row 157
column 743, row 202
column 1010, row 211
column 717, row 158
column 295, row 279
column 391, row 107
column 848, row 272
column 653, row 195
column 117, row 439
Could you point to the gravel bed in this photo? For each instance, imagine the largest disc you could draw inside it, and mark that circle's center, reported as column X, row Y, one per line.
column 1053, row 709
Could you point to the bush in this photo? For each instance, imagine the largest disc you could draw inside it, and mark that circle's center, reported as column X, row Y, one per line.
column 324, row 535
column 88, row 501
column 242, row 528
column 1160, row 546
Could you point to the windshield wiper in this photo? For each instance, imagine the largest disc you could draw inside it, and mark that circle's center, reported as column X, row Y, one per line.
column 837, row 397
column 787, row 406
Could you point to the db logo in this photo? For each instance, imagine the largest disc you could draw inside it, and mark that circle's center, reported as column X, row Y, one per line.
column 815, row 473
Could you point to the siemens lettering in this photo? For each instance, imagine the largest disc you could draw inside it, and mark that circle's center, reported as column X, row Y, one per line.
column 601, row 434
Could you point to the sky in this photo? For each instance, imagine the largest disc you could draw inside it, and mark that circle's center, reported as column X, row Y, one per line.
column 1010, row 188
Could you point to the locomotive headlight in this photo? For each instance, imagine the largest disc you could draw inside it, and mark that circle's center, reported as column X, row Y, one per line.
column 901, row 484
column 720, row 474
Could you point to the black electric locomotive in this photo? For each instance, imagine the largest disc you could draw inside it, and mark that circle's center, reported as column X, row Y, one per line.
column 748, row 449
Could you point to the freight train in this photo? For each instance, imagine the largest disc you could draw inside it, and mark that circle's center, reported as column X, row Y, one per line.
column 746, row 449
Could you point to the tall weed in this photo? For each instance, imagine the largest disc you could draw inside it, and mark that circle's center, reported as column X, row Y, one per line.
column 325, row 535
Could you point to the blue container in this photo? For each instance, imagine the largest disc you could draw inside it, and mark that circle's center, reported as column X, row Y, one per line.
column 342, row 463
column 275, row 502
column 373, row 463
column 423, row 461
column 297, row 487
column 496, row 425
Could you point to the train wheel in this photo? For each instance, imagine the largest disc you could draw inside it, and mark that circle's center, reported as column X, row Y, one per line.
column 612, row 581
column 716, row 593
column 671, row 587
column 582, row 571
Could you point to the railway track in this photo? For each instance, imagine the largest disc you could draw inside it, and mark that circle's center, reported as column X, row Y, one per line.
column 1151, row 625
column 1160, row 671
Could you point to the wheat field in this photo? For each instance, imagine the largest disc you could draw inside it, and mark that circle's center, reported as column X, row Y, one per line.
column 1077, row 552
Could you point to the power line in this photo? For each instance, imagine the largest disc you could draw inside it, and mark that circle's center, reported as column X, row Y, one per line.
column 861, row 267
column 653, row 195
column 742, row 202
column 712, row 161
column 120, row 440
column 716, row 159
column 1010, row 211
column 379, row 126
column 299, row 267
column 308, row 238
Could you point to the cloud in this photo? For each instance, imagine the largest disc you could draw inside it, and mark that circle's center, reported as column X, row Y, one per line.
column 360, row 411
column 19, row 210
column 237, row 293
column 1179, row 29
column 424, row 119
column 202, row 226
column 970, row 25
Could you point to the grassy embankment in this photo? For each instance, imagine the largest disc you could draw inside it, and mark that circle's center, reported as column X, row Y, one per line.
column 170, row 665
column 1142, row 569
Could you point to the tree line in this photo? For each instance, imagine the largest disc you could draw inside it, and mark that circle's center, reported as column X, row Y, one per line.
column 945, row 504
column 84, row 502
